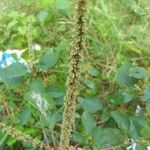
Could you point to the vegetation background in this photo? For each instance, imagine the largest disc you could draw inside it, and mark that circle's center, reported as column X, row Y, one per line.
column 114, row 102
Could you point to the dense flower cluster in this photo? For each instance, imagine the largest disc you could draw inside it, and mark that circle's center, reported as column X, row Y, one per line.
column 72, row 83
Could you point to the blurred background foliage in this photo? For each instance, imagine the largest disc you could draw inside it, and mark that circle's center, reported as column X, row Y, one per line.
column 115, row 73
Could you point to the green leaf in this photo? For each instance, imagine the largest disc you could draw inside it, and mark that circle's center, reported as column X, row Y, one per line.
column 141, row 147
column 116, row 99
column 107, row 137
column 37, row 85
column 90, row 84
column 11, row 141
column 138, row 72
column 148, row 107
column 90, row 105
column 25, row 116
column 137, row 123
column 51, row 119
column 88, row 122
column 145, row 132
column 132, row 131
column 122, row 121
column 46, row 3
column 127, row 96
column 94, row 72
column 38, row 100
column 42, row 16
column 47, row 61
column 146, row 96
column 52, row 103
column 96, row 136
column 77, row 137
column 55, row 91
column 13, row 74
column 14, row 70
column 122, row 76
column 62, row 4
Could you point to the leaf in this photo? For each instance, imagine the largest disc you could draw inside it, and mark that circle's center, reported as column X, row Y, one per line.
column 122, row 121
column 122, row 76
column 138, row 72
column 94, row 72
column 22, row 30
column 25, row 116
column 96, row 136
column 52, row 103
column 146, row 96
column 46, row 3
column 90, row 105
column 127, row 96
column 137, row 123
column 62, row 4
column 55, row 91
column 38, row 100
column 47, row 61
column 37, row 85
column 148, row 107
column 141, row 147
column 107, row 137
column 146, row 42
column 13, row 74
column 77, row 137
column 132, row 131
column 88, row 122
column 116, row 99
column 42, row 16
column 90, row 84
column 140, row 121
column 51, row 119
column 145, row 132
column 14, row 70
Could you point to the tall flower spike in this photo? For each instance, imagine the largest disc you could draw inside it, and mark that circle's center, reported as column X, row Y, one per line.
column 72, row 84
column 19, row 135
column 30, row 40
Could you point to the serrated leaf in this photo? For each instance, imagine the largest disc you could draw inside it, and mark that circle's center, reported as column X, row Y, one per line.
column 88, row 122
column 90, row 105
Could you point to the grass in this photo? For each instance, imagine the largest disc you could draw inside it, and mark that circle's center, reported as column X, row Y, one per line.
column 118, row 32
